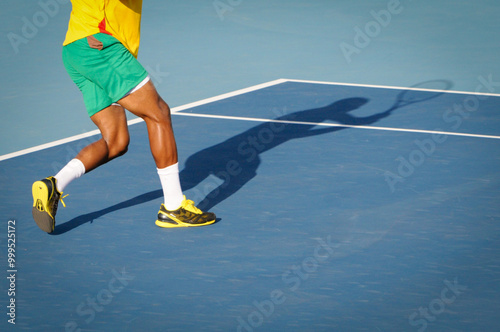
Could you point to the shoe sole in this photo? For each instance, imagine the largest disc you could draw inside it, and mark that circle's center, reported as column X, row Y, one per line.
column 40, row 214
column 180, row 224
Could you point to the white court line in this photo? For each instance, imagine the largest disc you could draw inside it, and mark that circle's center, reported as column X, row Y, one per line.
column 48, row 145
column 175, row 110
column 395, row 87
column 325, row 124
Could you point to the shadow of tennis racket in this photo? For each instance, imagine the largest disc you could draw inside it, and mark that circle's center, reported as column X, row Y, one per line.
column 420, row 93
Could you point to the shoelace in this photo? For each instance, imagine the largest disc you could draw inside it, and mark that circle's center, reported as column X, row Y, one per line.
column 189, row 205
column 61, row 199
column 56, row 203
column 59, row 193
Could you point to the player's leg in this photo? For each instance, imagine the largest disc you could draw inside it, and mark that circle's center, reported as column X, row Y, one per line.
column 176, row 211
column 147, row 104
column 112, row 124
column 47, row 192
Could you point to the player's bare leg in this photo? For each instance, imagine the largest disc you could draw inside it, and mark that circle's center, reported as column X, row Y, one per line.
column 147, row 104
column 176, row 211
column 47, row 192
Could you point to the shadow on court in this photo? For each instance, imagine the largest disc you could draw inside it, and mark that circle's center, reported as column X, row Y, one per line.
column 90, row 217
column 231, row 164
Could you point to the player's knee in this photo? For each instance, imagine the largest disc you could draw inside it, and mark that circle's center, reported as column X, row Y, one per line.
column 122, row 150
column 118, row 147
column 158, row 113
column 162, row 112
column 161, row 117
column 122, row 147
column 114, row 153
column 164, row 107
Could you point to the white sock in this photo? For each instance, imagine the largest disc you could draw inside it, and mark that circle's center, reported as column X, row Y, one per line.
column 73, row 170
column 171, row 184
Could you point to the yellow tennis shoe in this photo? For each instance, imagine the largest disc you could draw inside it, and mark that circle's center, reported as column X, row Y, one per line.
column 45, row 201
column 188, row 215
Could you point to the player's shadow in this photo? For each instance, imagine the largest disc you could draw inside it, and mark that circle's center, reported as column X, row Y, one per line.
column 229, row 165
column 226, row 167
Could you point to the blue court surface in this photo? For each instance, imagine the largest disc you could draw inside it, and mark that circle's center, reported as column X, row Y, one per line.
column 366, row 205
column 340, row 208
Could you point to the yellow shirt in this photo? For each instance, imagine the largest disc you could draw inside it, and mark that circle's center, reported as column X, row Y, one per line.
column 119, row 18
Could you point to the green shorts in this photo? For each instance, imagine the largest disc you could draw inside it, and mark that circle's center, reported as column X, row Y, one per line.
column 103, row 76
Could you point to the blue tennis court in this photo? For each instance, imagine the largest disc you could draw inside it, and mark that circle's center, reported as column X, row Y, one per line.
column 330, row 218
column 350, row 150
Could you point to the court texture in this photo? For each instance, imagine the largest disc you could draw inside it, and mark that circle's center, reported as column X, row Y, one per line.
column 350, row 149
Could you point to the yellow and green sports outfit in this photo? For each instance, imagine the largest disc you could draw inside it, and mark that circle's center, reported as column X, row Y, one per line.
column 104, row 76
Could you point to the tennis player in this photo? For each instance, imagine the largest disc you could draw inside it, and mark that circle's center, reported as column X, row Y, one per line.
column 99, row 53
